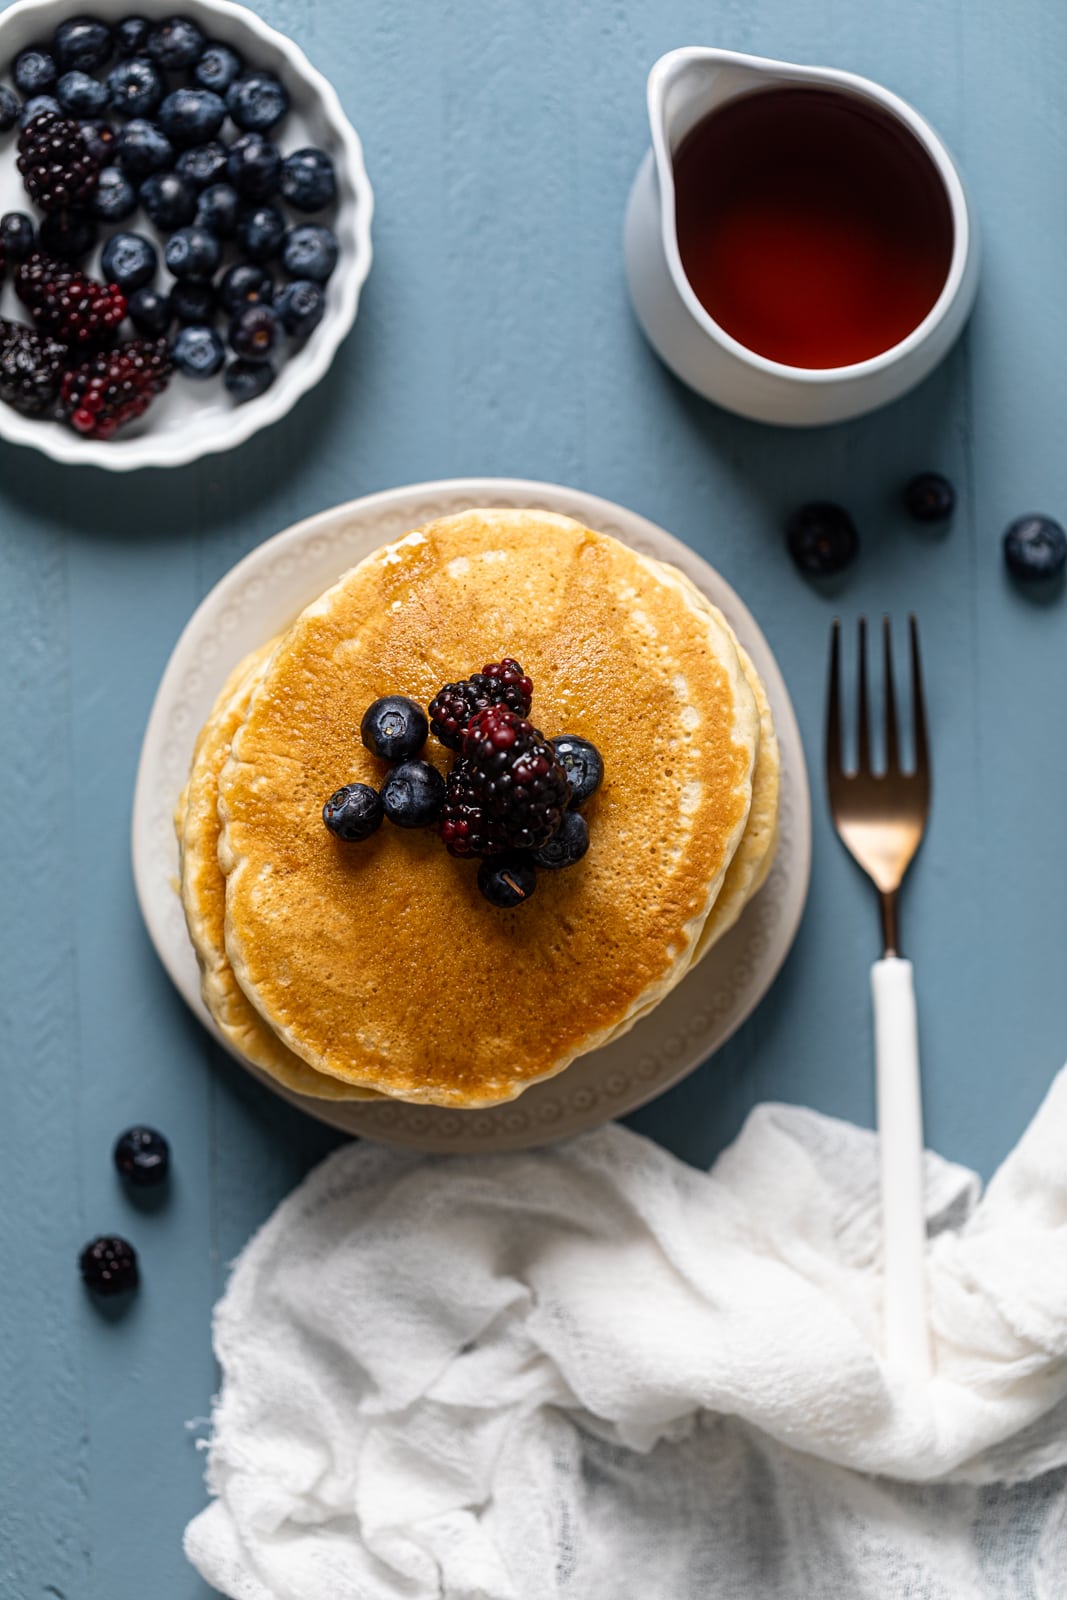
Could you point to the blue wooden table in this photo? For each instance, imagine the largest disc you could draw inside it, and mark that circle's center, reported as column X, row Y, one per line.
column 495, row 337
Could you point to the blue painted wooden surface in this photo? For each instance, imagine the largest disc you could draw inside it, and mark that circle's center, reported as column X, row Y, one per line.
column 495, row 337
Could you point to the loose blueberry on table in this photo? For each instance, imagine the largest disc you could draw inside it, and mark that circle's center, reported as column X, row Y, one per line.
column 929, row 497
column 822, row 538
column 511, row 796
column 135, row 116
column 142, row 1157
column 1035, row 547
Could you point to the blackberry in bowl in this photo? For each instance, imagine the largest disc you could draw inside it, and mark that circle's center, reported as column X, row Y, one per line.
column 158, row 97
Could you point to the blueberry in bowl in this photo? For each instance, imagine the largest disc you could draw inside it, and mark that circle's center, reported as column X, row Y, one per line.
column 183, row 122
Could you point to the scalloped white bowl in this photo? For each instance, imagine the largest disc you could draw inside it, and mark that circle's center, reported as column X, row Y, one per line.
column 196, row 419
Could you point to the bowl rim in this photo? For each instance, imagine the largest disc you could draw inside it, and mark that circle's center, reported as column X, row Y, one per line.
column 178, row 450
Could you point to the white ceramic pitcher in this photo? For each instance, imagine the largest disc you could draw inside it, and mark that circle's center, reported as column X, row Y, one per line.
column 683, row 87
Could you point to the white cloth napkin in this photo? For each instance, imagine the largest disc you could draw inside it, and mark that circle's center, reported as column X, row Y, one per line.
column 594, row 1372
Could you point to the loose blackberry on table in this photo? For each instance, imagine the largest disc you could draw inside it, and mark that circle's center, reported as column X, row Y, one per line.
column 109, row 1265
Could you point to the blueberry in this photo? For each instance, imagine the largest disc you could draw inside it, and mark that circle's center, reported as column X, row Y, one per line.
column 81, row 44
column 929, row 497
column 34, row 71
column 101, row 140
column 301, row 305
column 140, row 149
column 245, row 285
column 217, row 210
column 134, row 88
column 567, row 845
column 150, row 312
column 9, row 109
column 413, row 794
column 109, row 1265
column 260, row 231
column 310, row 251
column 198, row 352
column 68, row 235
column 37, row 107
column 356, row 811
column 257, row 101
column 394, row 728
column 131, row 35
column 169, row 200
column 142, row 1157
column 130, row 260
column 507, row 881
column 255, row 333
column 582, row 763
column 822, row 538
column 254, row 166
column 308, row 181
column 203, row 164
column 193, row 253
column 1035, row 546
column 191, row 116
column 218, row 67
column 247, row 380
column 175, row 43
column 17, row 235
column 80, row 95
column 194, row 304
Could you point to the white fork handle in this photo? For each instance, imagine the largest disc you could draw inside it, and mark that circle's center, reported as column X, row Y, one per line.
column 900, row 1127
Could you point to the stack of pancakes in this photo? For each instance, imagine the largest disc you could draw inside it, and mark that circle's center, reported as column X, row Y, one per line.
column 349, row 972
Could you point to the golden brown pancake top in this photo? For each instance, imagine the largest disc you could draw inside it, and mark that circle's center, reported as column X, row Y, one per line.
column 381, row 963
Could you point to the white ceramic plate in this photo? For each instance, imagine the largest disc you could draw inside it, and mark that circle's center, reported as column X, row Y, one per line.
column 194, row 419
column 259, row 597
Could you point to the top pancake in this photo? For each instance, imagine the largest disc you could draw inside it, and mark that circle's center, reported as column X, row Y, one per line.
column 381, row 963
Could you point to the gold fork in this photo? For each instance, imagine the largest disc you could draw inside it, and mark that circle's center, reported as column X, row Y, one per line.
column 880, row 818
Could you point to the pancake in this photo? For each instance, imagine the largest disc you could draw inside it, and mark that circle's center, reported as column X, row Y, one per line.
column 381, row 964
column 203, row 890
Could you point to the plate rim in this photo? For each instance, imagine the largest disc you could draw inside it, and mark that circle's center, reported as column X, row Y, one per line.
column 475, row 491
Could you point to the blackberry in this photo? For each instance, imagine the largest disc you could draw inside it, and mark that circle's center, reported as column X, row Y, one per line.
column 520, row 784
column 142, row 1157
column 65, row 304
column 31, row 366
column 498, row 683
column 109, row 1265
column 115, row 386
column 463, row 825
column 57, row 166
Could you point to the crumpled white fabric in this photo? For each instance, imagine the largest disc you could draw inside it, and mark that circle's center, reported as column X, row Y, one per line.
column 592, row 1371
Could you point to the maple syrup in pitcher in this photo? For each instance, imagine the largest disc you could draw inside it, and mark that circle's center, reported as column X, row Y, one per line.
column 812, row 227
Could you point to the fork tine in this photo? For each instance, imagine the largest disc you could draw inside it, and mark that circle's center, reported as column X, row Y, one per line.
column 892, row 734
column 922, row 753
column 834, row 765
column 863, row 743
